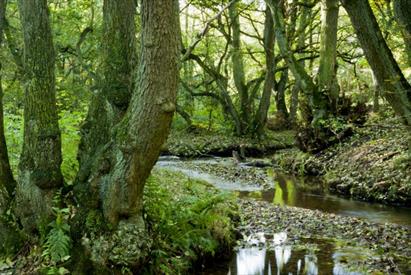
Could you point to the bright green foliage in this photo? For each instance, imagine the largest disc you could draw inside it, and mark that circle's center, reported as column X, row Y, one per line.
column 58, row 242
column 69, row 125
column 188, row 219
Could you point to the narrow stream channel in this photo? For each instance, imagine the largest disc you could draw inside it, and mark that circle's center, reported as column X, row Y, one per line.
column 324, row 257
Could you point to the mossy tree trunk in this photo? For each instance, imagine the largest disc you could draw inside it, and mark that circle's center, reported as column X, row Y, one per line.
column 327, row 74
column 402, row 12
column 395, row 87
column 120, row 169
column 7, row 183
column 238, row 67
column 280, row 101
column 301, row 31
column 108, row 105
column 269, row 40
column 39, row 168
column 295, row 67
column 316, row 107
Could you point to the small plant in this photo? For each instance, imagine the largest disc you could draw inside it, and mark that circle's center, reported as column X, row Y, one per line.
column 56, row 248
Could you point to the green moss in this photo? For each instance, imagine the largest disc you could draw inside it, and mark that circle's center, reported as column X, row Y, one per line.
column 195, row 144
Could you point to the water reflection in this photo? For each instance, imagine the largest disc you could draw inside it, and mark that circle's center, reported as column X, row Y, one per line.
column 307, row 193
column 259, row 261
column 312, row 194
column 251, row 261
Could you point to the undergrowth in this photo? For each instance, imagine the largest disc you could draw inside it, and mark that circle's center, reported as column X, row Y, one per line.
column 189, row 221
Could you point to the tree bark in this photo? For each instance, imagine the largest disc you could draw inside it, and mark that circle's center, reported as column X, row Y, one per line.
column 327, row 75
column 40, row 160
column 118, row 64
column 145, row 128
column 269, row 40
column 238, row 67
column 7, row 183
column 402, row 12
column 395, row 87
column 118, row 175
column 282, row 111
column 305, row 12
column 298, row 71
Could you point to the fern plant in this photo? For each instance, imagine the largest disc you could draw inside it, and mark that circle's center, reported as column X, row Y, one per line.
column 58, row 242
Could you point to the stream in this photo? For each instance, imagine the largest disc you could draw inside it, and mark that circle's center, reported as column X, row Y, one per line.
column 319, row 256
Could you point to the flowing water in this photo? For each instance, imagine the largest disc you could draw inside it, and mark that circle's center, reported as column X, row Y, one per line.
column 327, row 257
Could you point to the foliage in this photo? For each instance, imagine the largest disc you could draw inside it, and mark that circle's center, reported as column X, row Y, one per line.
column 69, row 125
column 189, row 220
column 56, row 248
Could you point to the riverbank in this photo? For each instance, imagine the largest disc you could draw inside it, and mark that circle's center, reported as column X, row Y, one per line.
column 372, row 165
column 189, row 222
column 201, row 143
column 385, row 248
column 344, row 242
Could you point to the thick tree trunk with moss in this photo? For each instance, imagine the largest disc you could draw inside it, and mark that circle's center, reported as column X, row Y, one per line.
column 238, row 67
column 40, row 161
column 108, row 105
column 118, row 175
column 402, row 11
column 7, row 183
column 327, row 74
column 395, row 87
column 269, row 40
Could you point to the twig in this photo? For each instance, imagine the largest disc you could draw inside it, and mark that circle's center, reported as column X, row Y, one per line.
column 201, row 34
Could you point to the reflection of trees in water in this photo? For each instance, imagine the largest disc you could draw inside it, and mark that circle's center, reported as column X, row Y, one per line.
column 282, row 256
column 310, row 264
column 251, row 261
column 285, row 192
column 259, row 261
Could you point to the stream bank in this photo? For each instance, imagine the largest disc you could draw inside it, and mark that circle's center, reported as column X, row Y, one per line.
column 200, row 143
column 334, row 240
column 372, row 165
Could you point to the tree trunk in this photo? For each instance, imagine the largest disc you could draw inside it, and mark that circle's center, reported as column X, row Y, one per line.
column 120, row 170
column 297, row 70
column 7, row 183
column 40, row 160
column 327, row 79
column 118, row 64
column 402, row 11
column 282, row 111
column 393, row 83
column 376, row 97
column 238, row 67
column 186, row 116
column 300, row 45
column 269, row 40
